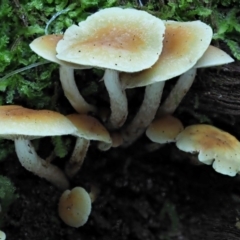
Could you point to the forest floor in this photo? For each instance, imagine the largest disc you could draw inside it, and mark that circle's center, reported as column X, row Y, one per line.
column 144, row 193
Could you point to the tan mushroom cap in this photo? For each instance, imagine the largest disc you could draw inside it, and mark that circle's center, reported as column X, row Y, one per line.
column 75, row 207
column 213, row 145
column 184, row 43
column 45, row 46
column 18, row 120
column 213, row 57
column 89, row 128
column 164, row 129
column 127, row 40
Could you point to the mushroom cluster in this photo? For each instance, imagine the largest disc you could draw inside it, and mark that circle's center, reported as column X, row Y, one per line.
column 132, row 55
column 135, row 49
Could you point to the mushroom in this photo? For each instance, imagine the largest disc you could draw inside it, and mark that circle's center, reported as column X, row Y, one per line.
column 184, row 43
column 213, row 145
column 2, row 235
column 164, row 129
column 45, row 47
column 211, row 58
column 75, row 207
column 88, row 128
column 117, row 40
column 22, row 125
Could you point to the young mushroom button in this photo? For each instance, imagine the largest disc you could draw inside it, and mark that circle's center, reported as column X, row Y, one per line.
column 2, row 235
column 22, row 125
column 164, row 129
column 75, row 207
column 115, row 39
column 213, row 145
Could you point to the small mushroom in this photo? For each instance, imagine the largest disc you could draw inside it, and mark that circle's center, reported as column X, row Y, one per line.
column 2, row 235
column 214, row 147
column 88, row 128
column 164, row 129
column 117, row 40
column 45, row 47
column 22, row 125
column 184, row 43
column 75, row 207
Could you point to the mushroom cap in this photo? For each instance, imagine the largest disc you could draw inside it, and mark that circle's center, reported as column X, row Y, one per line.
column 18, row 120
column 184, row 43
column 75, row 207
column 2, row 235
column 213, row 56
column 89, row 128
column 127, row 40
column 164, row 129
column 213, row 145
column 45, row 46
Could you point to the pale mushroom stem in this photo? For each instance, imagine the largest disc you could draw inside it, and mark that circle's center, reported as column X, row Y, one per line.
column 77, row 158
column 178, row 92
column 71, row 91
column 118, row 99
column 145, row 115
column 94, row 192
column 33, row 163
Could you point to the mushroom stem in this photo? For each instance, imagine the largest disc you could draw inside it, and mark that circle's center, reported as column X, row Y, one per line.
column 178, row 92
column 94, row 192
column 77, row 158
column 33, row 163
column 71, row 91
column 118, row 99
column 146, row 113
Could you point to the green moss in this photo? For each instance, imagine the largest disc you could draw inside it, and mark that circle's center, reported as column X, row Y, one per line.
column 228, row 30
column 21, row 23
column 61, row 146
column 6, row 149
column 7, row 196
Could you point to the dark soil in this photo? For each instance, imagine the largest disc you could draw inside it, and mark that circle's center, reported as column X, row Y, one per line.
column 144, row 194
